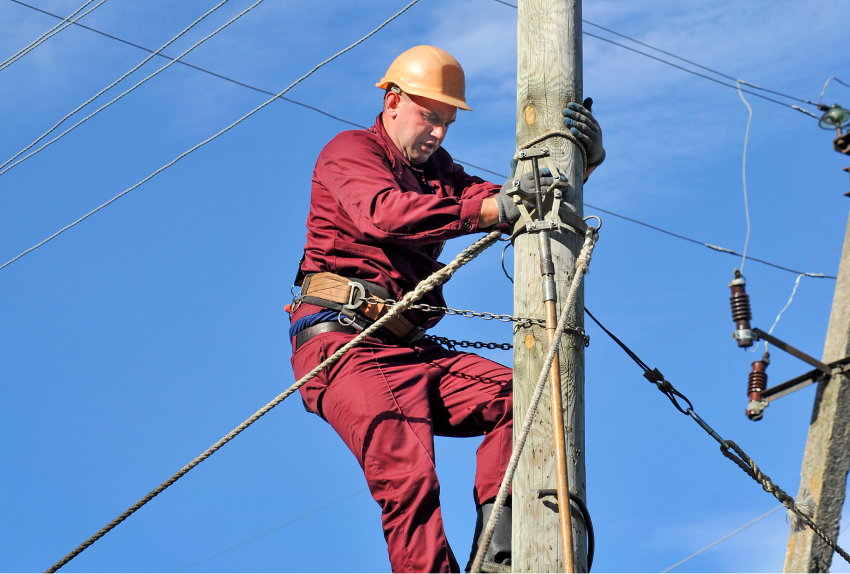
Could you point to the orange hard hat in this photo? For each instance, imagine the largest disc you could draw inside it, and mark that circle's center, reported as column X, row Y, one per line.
column 428, row 72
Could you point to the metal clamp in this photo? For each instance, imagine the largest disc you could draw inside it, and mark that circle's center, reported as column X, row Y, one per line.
column 356, row 296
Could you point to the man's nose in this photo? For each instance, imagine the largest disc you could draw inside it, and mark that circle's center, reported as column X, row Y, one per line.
column 439, row 132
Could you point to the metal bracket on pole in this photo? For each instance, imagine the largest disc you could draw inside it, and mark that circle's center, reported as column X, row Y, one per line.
column 759, row 334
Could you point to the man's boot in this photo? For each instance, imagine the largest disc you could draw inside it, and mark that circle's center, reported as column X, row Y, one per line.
column 499, row 552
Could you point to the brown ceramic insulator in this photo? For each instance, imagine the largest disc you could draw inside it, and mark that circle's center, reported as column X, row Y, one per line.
column 755, row 388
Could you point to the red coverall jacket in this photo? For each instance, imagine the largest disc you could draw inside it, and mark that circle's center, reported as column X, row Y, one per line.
column 375, row 217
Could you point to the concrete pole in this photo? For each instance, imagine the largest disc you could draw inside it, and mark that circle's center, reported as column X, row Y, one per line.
column 549, row 75
column 827, row 456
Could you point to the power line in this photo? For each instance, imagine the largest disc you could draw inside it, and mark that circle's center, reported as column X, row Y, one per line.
column 706, row 320
column 49, row 34
column 303, row 516
column 213, row 137
column 228, row 79
column 709, row 245
column 798, row 108
column 716, row 542
column 200, row 69
column 245, row 85
column 9, row 166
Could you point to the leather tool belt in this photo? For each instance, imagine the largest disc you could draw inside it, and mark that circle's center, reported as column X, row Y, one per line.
column 345, row 295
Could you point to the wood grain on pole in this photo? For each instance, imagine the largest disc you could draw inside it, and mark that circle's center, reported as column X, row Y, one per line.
column 827, row 456
column 549, row 75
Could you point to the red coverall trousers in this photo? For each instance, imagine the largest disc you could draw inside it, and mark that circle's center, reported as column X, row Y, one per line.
column 387, row 402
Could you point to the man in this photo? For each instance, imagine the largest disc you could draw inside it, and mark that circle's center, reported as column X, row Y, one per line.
column 383, row 203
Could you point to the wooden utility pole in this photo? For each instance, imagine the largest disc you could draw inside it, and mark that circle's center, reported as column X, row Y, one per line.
column 549, row 75
column 827, row 456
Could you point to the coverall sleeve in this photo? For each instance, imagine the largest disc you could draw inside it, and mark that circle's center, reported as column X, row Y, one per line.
column 357, row 173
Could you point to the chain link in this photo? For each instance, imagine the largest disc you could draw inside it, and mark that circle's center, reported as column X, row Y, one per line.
column 452, row 345
column 522, row 322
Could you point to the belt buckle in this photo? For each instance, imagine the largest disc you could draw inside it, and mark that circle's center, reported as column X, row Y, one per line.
column 354, row 301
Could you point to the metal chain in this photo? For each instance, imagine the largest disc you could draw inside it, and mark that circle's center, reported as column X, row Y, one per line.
column 460, row 312
column 452, row 345
column 522, row 322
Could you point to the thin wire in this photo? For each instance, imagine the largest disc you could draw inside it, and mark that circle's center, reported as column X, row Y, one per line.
column 797, row 108
column 97, row 95
column 228, row 79
column 116, row 98
column 303, row 516
column 709, row 245
column 704, row 321
column 744, row 175
column 211, row 138
column 793, row 292
column 826, row 84
column 47, row 35
column 716, row 542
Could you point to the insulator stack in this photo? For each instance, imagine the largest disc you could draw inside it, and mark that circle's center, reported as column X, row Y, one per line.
column 756, row 387
column 741, row 313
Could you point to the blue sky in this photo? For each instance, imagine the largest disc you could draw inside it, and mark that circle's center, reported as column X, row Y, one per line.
column 137, row 339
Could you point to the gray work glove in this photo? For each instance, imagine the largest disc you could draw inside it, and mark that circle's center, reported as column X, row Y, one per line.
column 508, row 211
column 586, row 130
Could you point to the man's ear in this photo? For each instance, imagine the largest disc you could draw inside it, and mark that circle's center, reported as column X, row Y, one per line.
column 392, row 101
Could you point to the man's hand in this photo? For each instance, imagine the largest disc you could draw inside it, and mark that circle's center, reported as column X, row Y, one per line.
column 508, row 211
column 586, row 130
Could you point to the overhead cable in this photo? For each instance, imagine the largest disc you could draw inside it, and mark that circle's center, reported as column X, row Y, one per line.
column 231, row 80
column 213, row 137
column 116, row 98
column 709, row 245
column 794, row 107
column 305, row 515
column 49, row 34
column 97, row 95
column 718, row 541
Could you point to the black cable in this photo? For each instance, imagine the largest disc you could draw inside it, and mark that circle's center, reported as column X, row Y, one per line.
column 689, row 62
column 710, row 246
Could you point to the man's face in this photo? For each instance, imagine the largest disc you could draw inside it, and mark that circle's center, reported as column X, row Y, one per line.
column 417, row 125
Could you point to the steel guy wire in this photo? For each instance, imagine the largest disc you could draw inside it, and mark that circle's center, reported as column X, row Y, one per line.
column 744, row 174
column 826, row 84
column 718, row 541
column 115, row 99
column 798, row 108
column 799, row 512
column 200, row 69
column 49, row 34
column 98, row 94
column 216, row 135
column 306, row 514
column 709, row 245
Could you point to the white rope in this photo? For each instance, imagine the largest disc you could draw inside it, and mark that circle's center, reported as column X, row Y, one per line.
column 211, row 138
column 744, row 171
column 582, row 262
column 823, row 91
column 106, row 105
column 101, row 92
column 434, row 280
column 47, row 35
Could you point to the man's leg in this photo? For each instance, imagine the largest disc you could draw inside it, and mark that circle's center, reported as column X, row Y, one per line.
column 377, row 399
column 473, row 396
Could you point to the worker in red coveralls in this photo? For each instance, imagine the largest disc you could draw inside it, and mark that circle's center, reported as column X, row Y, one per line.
column 384, row 200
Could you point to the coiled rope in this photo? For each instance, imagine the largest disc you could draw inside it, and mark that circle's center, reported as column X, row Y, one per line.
column 582, row 262
column 434, row 280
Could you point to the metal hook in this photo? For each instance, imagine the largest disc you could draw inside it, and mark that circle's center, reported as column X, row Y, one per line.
column 596, row 217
